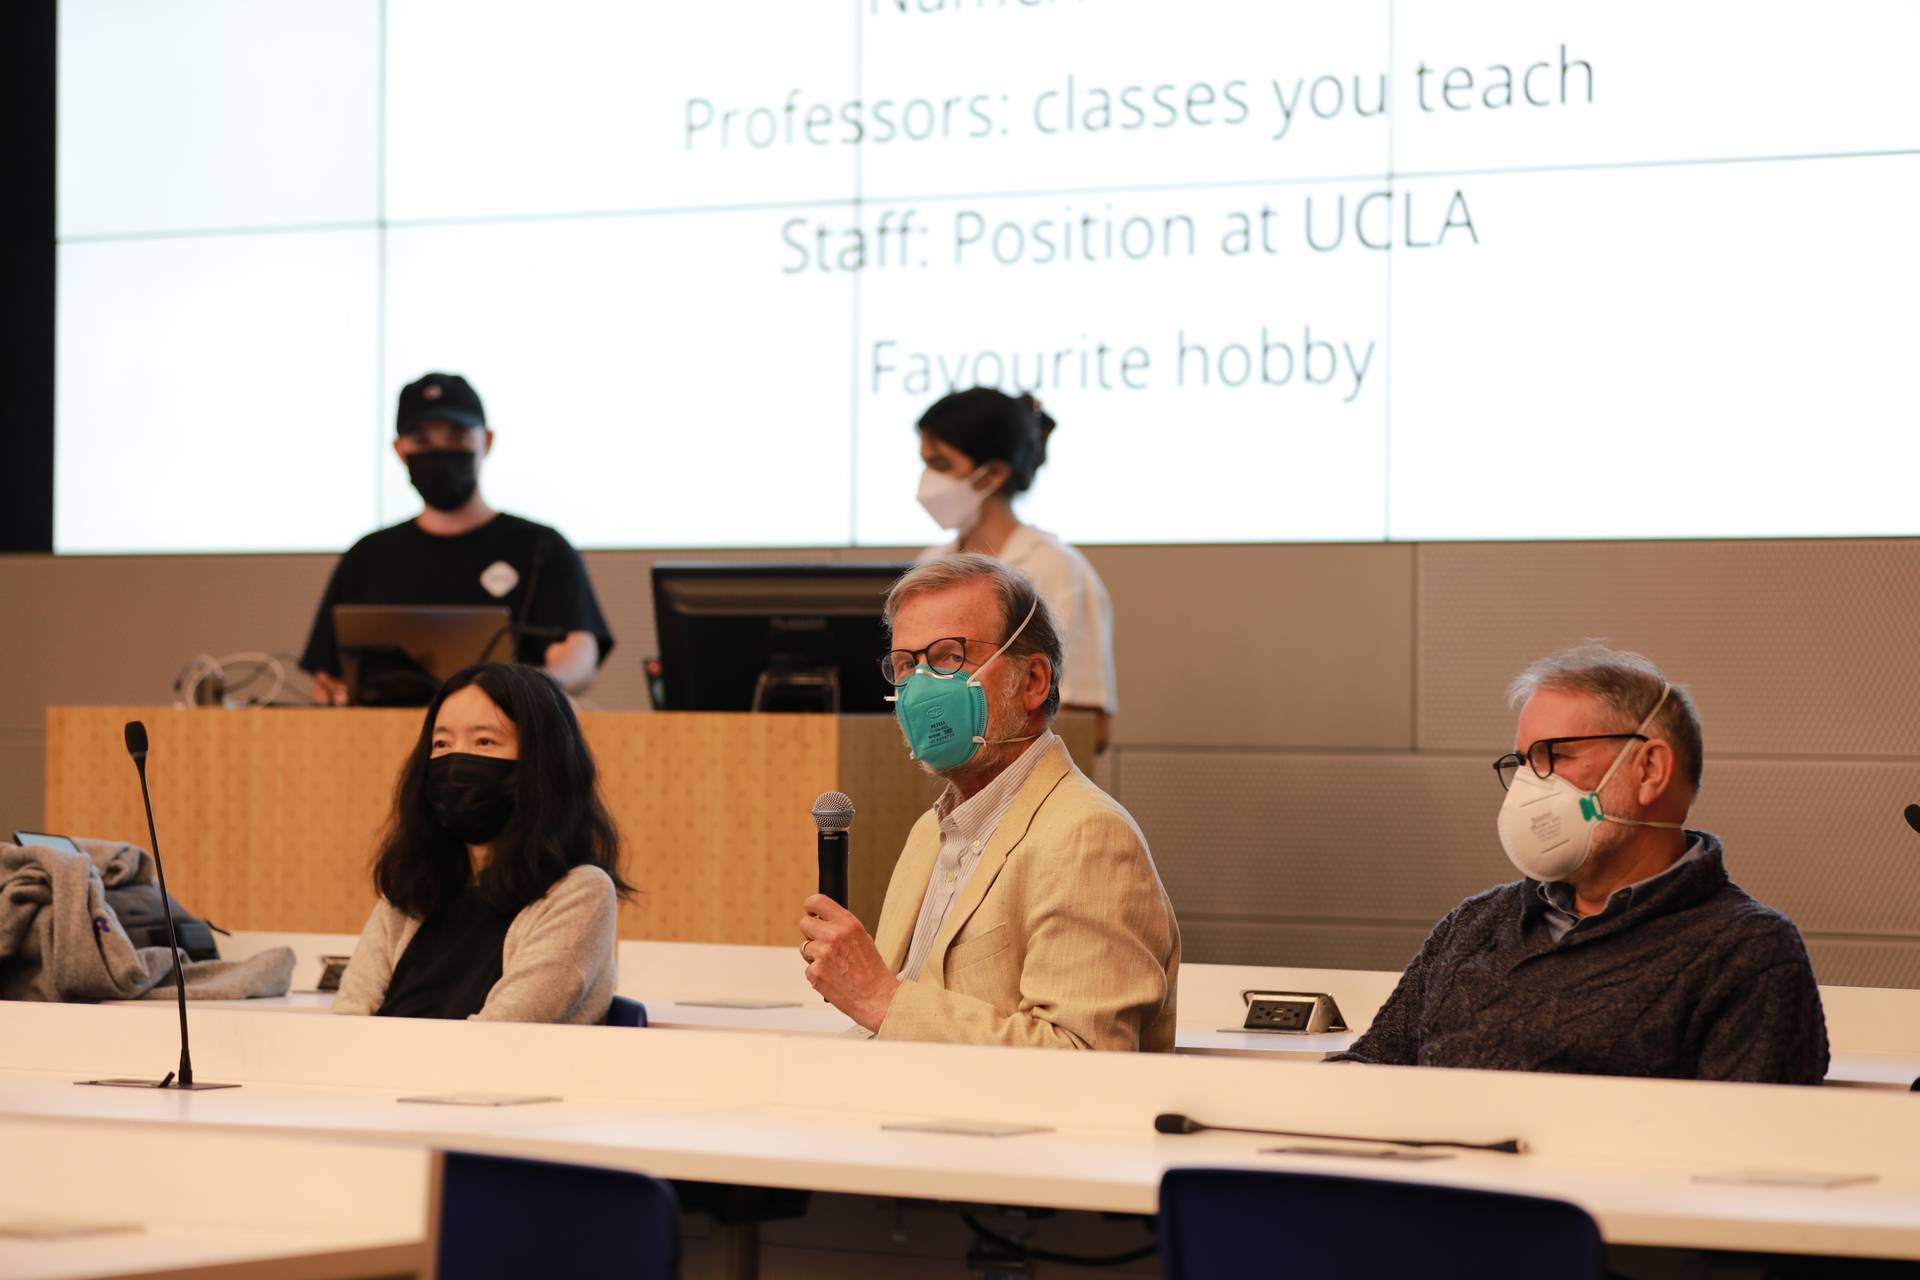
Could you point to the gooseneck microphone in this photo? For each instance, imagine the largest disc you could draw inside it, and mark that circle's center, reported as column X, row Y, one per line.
column 1173, row 1122
column 520, row 627
column 137, row 748
column 832, row 815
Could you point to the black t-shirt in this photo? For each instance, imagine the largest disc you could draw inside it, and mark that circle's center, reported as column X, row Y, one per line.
column 450, row 964
column 493, row 564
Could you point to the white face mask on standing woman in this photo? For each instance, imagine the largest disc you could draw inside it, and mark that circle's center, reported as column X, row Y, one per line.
column 952, row 501
column 1546, row 824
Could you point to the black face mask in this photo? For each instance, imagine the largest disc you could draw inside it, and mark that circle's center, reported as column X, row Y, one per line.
column 471, row 796
column 446, row 478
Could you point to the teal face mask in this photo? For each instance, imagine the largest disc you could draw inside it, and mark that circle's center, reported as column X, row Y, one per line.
column 945, row 716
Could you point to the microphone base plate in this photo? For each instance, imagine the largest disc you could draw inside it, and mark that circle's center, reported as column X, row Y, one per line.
column 127, row 1083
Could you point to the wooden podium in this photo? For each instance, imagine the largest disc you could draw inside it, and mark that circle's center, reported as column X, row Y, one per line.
column 269, row 818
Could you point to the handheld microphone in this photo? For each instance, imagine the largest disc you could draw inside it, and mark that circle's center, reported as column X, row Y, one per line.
column 1173, row 1122
column 833, row 814
column 136, row 734
column 1913, row 816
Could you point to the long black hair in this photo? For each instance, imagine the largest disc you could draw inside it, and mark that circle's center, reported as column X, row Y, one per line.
column 558, row 821
column 992, row 426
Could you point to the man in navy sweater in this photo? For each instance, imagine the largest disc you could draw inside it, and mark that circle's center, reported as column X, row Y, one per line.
column 1626, row 949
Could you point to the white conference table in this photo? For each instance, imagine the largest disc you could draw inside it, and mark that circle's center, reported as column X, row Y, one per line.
column 1874, row 1032
column 171, row 1200
column 807, row 1111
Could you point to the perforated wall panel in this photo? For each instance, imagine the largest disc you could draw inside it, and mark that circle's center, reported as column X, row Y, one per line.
column 1847, row 962
column 1824, row 842
column 1262, row 646
column 23, row 777
column 1790, row 648
column 1368, row 839
column 1297, row 944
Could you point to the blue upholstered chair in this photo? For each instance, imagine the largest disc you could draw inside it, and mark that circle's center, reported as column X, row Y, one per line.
column 1217, row 1224
column 626, row 1013
column 506, row 1217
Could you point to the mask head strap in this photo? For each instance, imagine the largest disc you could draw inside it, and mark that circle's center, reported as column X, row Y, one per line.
column 974, row 679
column 1590, row 803
column 1640, row 728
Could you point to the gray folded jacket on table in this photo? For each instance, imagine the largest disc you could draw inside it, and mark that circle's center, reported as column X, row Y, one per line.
column 60, row 940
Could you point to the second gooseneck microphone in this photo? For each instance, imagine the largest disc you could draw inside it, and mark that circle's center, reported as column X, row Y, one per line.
column 832, row 815
column 1173, row 1122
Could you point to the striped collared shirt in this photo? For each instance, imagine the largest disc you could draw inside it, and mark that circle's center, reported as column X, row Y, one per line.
column 965, row 829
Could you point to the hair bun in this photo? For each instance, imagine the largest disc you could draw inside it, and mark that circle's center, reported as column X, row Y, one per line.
column 1043, row 424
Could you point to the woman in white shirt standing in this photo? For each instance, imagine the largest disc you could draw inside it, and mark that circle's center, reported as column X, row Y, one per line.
column 981, row 448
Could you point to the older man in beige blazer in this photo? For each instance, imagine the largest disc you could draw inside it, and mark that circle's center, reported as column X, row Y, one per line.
column 1025, row 908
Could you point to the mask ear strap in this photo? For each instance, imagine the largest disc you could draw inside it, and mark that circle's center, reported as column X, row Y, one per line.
column 974, row 679
column 1641, row 728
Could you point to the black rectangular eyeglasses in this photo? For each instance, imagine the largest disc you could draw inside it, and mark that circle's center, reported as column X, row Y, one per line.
column 1541, row 757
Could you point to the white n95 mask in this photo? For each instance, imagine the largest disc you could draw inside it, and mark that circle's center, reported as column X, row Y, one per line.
column 1546, row 824
column 952, row 502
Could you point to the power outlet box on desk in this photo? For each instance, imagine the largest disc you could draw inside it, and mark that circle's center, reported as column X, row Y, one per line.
column 1300, row 1013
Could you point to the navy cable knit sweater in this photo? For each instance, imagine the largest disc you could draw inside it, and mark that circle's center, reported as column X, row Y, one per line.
column 1694, row 980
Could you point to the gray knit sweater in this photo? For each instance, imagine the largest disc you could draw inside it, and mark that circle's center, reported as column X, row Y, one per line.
column 558, row 963
column 1694, row 980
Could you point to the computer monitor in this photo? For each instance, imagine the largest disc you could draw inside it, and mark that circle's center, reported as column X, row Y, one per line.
column 772, row 637
column 397, row 655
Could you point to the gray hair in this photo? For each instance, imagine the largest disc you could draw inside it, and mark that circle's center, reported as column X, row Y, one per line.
column 1017, row 596
column 1628, row 685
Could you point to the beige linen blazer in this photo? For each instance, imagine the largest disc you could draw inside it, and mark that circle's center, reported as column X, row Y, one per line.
column 1062, row 938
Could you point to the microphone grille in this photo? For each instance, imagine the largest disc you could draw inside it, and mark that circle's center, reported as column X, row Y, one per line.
column 1174, row 1122
column 833, row 811
column 136, row 738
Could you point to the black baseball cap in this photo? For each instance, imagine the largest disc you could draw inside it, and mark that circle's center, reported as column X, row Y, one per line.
column 438, row 396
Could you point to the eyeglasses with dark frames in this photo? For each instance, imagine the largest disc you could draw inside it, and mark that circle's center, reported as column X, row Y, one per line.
column 1541, row 756
column 946, row 657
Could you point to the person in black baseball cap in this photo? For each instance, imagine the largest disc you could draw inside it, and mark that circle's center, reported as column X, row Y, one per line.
column 460, row 551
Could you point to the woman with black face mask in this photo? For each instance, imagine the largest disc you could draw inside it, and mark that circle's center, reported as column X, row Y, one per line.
column 499, row 874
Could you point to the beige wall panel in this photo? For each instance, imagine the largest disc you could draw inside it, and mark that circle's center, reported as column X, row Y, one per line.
column 1822, row 841
column 117, row 629
column 1297, row 944
column 1848, row 962
column 1790, row 648
column 1317, row 837
column 1262, row 646
column 22, row 781
column 625, row 591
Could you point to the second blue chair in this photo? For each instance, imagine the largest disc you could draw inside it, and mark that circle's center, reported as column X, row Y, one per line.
column 499, row 1216
column 626, row 1013
column 1218, row 1224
